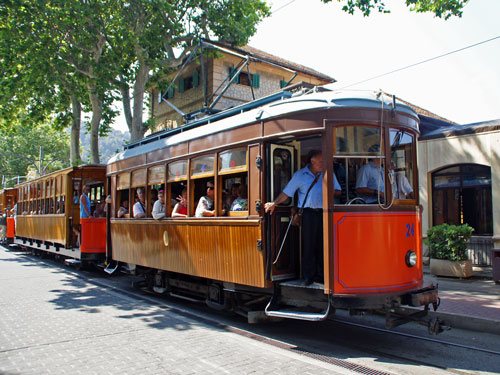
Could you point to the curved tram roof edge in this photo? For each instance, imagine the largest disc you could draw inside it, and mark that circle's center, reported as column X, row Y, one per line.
column 293, row 104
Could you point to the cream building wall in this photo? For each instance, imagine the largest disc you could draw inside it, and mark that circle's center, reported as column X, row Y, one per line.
column 434, row 154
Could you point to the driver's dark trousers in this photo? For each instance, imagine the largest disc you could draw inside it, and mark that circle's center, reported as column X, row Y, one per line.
column 312, row 244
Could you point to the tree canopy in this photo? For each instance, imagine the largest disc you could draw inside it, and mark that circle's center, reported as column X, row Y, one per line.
column 441, row 8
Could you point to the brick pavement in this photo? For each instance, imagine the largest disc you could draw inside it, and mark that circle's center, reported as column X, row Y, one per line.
column 53, row 322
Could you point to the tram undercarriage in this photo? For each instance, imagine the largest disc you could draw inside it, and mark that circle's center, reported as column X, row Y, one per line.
column 291, row 300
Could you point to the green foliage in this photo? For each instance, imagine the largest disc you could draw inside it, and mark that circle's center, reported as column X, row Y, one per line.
column 449, row 242
column 441, row 8
column 20, row 150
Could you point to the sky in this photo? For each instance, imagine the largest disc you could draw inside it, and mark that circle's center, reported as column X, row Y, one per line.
column 463, row 87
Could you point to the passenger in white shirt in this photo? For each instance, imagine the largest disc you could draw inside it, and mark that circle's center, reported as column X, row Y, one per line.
column 159, row 206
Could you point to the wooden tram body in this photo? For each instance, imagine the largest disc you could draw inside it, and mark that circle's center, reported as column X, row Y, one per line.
column 48, row 214
column 8, row 199
column 235, row 257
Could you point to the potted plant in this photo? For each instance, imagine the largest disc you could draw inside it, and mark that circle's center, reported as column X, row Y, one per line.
column 448, row 250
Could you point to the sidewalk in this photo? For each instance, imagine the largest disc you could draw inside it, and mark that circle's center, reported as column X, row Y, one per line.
column 472, row 304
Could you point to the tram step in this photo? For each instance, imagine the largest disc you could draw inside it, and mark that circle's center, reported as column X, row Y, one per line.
column 273, row 309
column 72, row 262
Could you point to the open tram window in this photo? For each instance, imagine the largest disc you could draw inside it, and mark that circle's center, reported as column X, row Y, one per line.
column 402, row 165
column 123, row 196
column 202, row 197
column 359, row 164
column 176, row 183
column 138, row 184
column 233, row 178
column 156, row 183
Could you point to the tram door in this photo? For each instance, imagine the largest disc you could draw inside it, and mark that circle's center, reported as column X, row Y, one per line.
column 286, row 263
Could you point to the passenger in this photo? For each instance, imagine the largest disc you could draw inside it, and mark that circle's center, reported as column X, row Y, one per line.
column 401, row 187
column 85, row 203
column 159, row 206
column 180, row 209
column 241, row 202
column 3, row 225
column 123, row 210
column 139, row 209
column 232, row 196
column 100, row 210
column 206, row 204
column 304, row 179
column 370, row 179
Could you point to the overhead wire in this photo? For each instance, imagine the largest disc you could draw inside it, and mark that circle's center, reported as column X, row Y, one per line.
column 423, row 62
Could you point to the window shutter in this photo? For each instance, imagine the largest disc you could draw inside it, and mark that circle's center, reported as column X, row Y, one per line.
column 283, row 83
column 232, row 71
column 171, row 92
column 181, row 85
column 256, row 80
column 196, row 78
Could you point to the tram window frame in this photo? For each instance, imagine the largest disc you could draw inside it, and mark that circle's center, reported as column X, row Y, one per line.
column 123, row 193
column 155, row 180
column 138, row 179
column 175, row 181
column 198, row 182
column 349, row 158
column 403, row 159
column 235, row 173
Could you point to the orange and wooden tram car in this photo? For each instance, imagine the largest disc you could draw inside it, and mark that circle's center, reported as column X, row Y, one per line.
column 372, row 252
column 48, row 214
column 8, row 200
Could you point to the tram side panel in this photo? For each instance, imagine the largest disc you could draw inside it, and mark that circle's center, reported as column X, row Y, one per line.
column 224, row 250
column 11, row 229
column 49, row 228
column 370, row 250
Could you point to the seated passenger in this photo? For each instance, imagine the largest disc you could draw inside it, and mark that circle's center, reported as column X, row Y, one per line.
column 139, row 209
column 159, row 206
column 370, row 180
column 241, row 202
column 180, row 209
column 123, row 210
column 100, row 209
column 206, row 203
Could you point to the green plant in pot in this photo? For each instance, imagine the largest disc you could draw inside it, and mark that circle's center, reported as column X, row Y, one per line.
column 448, row 250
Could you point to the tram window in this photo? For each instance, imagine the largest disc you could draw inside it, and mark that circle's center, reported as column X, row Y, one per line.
column 176, row 182
column 402, row 168
column 156, row 181
column 356, row 161
column 202, row 166
column 282, row 172
column 233, row 178
column 200, row 189
column 123, row 195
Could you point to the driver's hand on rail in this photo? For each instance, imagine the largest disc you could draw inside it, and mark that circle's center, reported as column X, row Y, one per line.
column 269, row 207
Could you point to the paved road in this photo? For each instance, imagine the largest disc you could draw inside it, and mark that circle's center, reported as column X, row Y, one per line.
column 53, row 321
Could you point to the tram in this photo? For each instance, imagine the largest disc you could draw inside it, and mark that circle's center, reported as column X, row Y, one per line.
column 250, row 261
column 48, row 214
column 8, row 200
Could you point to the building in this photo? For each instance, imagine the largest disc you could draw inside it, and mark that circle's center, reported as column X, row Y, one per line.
column 459, row 175
column 200, row 83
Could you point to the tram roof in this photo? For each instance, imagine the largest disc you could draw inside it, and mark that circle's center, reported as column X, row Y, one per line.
column 275, row 105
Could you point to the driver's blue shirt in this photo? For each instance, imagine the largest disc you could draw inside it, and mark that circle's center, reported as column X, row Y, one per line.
column 370, row 176
column 301, row 181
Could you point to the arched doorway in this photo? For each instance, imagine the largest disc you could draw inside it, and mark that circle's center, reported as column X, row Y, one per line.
column 462, row 194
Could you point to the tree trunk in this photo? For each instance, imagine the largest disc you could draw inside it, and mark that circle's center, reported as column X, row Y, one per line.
column 137, row 128
column 94, row 123
column 76, row 108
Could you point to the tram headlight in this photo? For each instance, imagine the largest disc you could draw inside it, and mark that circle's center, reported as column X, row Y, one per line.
column 411, row 258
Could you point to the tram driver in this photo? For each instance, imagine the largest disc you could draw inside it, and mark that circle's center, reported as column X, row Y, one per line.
column 304, row 179
column 370, row 179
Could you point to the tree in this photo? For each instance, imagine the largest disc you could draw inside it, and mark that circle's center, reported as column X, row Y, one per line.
column 160, row 34
column 441, row 8
column 26, row 148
